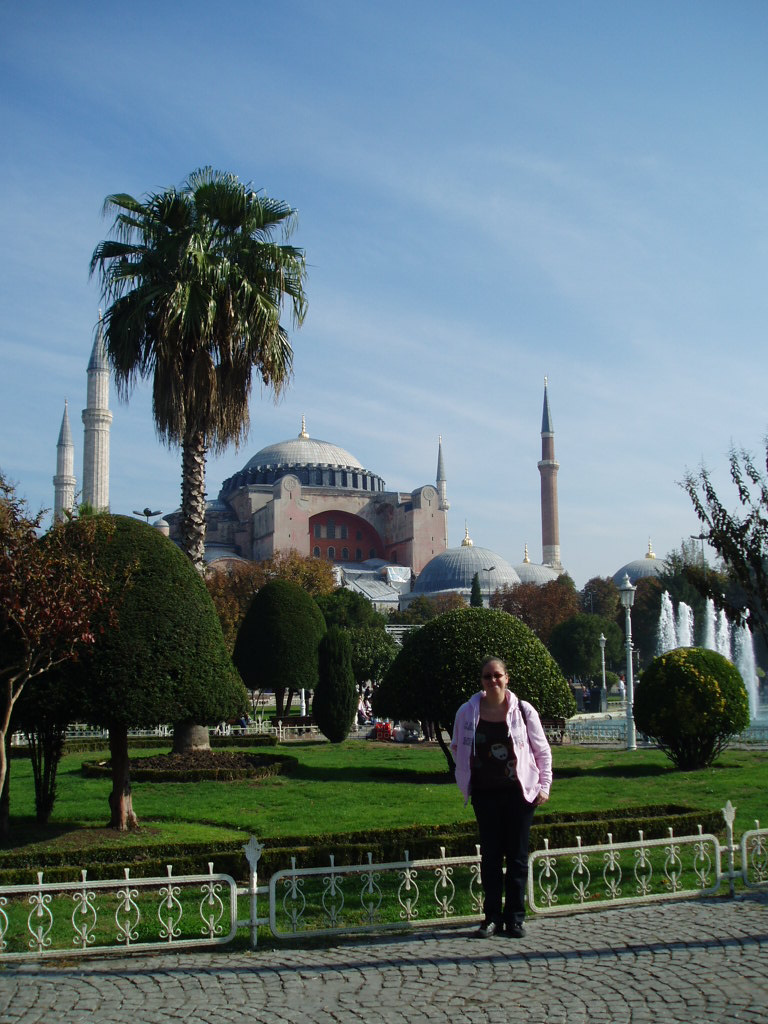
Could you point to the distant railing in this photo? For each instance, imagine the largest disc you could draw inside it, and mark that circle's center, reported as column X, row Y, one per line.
column 613, row 729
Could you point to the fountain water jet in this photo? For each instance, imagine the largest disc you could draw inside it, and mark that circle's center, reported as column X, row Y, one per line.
column 684, row 625
column 666, row 639
column 709, row 626
column 723, row 636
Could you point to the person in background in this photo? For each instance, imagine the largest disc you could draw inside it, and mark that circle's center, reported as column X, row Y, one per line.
column 504, row 766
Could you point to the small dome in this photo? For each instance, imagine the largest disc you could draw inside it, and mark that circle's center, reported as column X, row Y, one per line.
column 455, row 569
column 640, row 568
column 532, row 572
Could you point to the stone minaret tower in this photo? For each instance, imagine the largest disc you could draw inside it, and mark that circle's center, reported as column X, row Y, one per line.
column 64, row 481
column 441, row 484
column 97, row 419
column 548, row 467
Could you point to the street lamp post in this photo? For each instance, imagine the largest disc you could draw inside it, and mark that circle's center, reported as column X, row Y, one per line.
column 603, row 691
column 489, row 569
column 627, row 594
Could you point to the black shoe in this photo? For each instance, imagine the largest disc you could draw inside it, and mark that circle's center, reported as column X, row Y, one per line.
column 515, row 930
column 487, row 930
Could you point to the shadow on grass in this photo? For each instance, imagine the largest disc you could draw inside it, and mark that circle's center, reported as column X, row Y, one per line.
column 631, row 771
column 320, row 773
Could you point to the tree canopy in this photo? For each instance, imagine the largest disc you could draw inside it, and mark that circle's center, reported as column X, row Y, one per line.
column 373, row 651
column 438, row 668
column 276, row 646
column 540, row 607
column 575, row 645
column 50, row 593
column 196, row 287
column 234, row 585
column 164, row 659
column 346, row 607
column 600, row 596
column 423, row 609
column 740, row 539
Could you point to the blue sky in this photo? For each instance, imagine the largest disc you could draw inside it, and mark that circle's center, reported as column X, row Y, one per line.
column 487, row 194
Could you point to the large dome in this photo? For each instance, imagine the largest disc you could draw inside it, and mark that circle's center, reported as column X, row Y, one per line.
column 303, row 451
column 316, row 464
column 455, row 569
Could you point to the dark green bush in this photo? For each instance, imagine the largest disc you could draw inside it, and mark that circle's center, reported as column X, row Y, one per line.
column 276, row 646
column 335, row 699
column 438, row 668
column 163, row 658
column 690, row 702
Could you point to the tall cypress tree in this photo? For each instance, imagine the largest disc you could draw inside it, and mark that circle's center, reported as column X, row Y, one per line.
column 335, row 699
column 476, row 596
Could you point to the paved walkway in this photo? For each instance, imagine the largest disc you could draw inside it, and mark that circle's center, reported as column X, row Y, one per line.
column 693, row 962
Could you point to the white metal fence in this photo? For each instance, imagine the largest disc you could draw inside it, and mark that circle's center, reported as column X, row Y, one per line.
column 49, row 919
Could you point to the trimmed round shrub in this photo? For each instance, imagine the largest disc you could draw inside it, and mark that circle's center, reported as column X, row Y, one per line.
column 438, row 668
column 335, row 699
column 276, row 644
column 163, row 657
column 690, row 702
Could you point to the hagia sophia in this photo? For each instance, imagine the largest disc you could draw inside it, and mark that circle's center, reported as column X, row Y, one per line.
column 317, row 498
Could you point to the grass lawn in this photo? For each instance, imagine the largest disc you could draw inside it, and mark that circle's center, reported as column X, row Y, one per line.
column 360, row 785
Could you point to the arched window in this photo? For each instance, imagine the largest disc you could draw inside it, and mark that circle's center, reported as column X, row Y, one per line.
column 345, row 554
column 373, row 553
column 331, row 554
column 358, row 555
column 316, row 552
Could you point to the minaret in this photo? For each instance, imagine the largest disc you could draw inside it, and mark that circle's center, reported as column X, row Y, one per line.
column 97, row 419
column 64, row 481
column 548, row 467
column 441, row 483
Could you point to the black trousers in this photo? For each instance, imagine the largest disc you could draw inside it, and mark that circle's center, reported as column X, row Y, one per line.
column 504, row 820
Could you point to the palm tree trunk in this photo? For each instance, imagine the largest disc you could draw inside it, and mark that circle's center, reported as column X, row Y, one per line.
column 193, row 452
column 188, row 735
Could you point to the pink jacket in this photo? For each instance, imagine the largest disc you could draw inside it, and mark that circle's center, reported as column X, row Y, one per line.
column 534, row 755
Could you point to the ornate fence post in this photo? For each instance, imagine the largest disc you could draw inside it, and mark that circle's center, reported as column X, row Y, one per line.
column 253, row 851
column 729, row 813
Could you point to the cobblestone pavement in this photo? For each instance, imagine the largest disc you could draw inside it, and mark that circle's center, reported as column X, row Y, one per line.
column 696, row 961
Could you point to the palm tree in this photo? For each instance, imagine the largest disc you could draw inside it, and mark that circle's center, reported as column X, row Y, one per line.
column 196, row 287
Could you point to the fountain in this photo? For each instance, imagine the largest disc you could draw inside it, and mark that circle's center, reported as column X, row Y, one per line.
column 674, row 633
column 744, row 660
column 734, row 644
column 667, row 634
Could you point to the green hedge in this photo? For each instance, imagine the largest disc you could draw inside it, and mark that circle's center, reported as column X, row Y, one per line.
column 278, row 764
column 20, row 867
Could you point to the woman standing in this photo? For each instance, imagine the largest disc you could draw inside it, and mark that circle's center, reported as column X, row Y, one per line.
column 504, row 765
